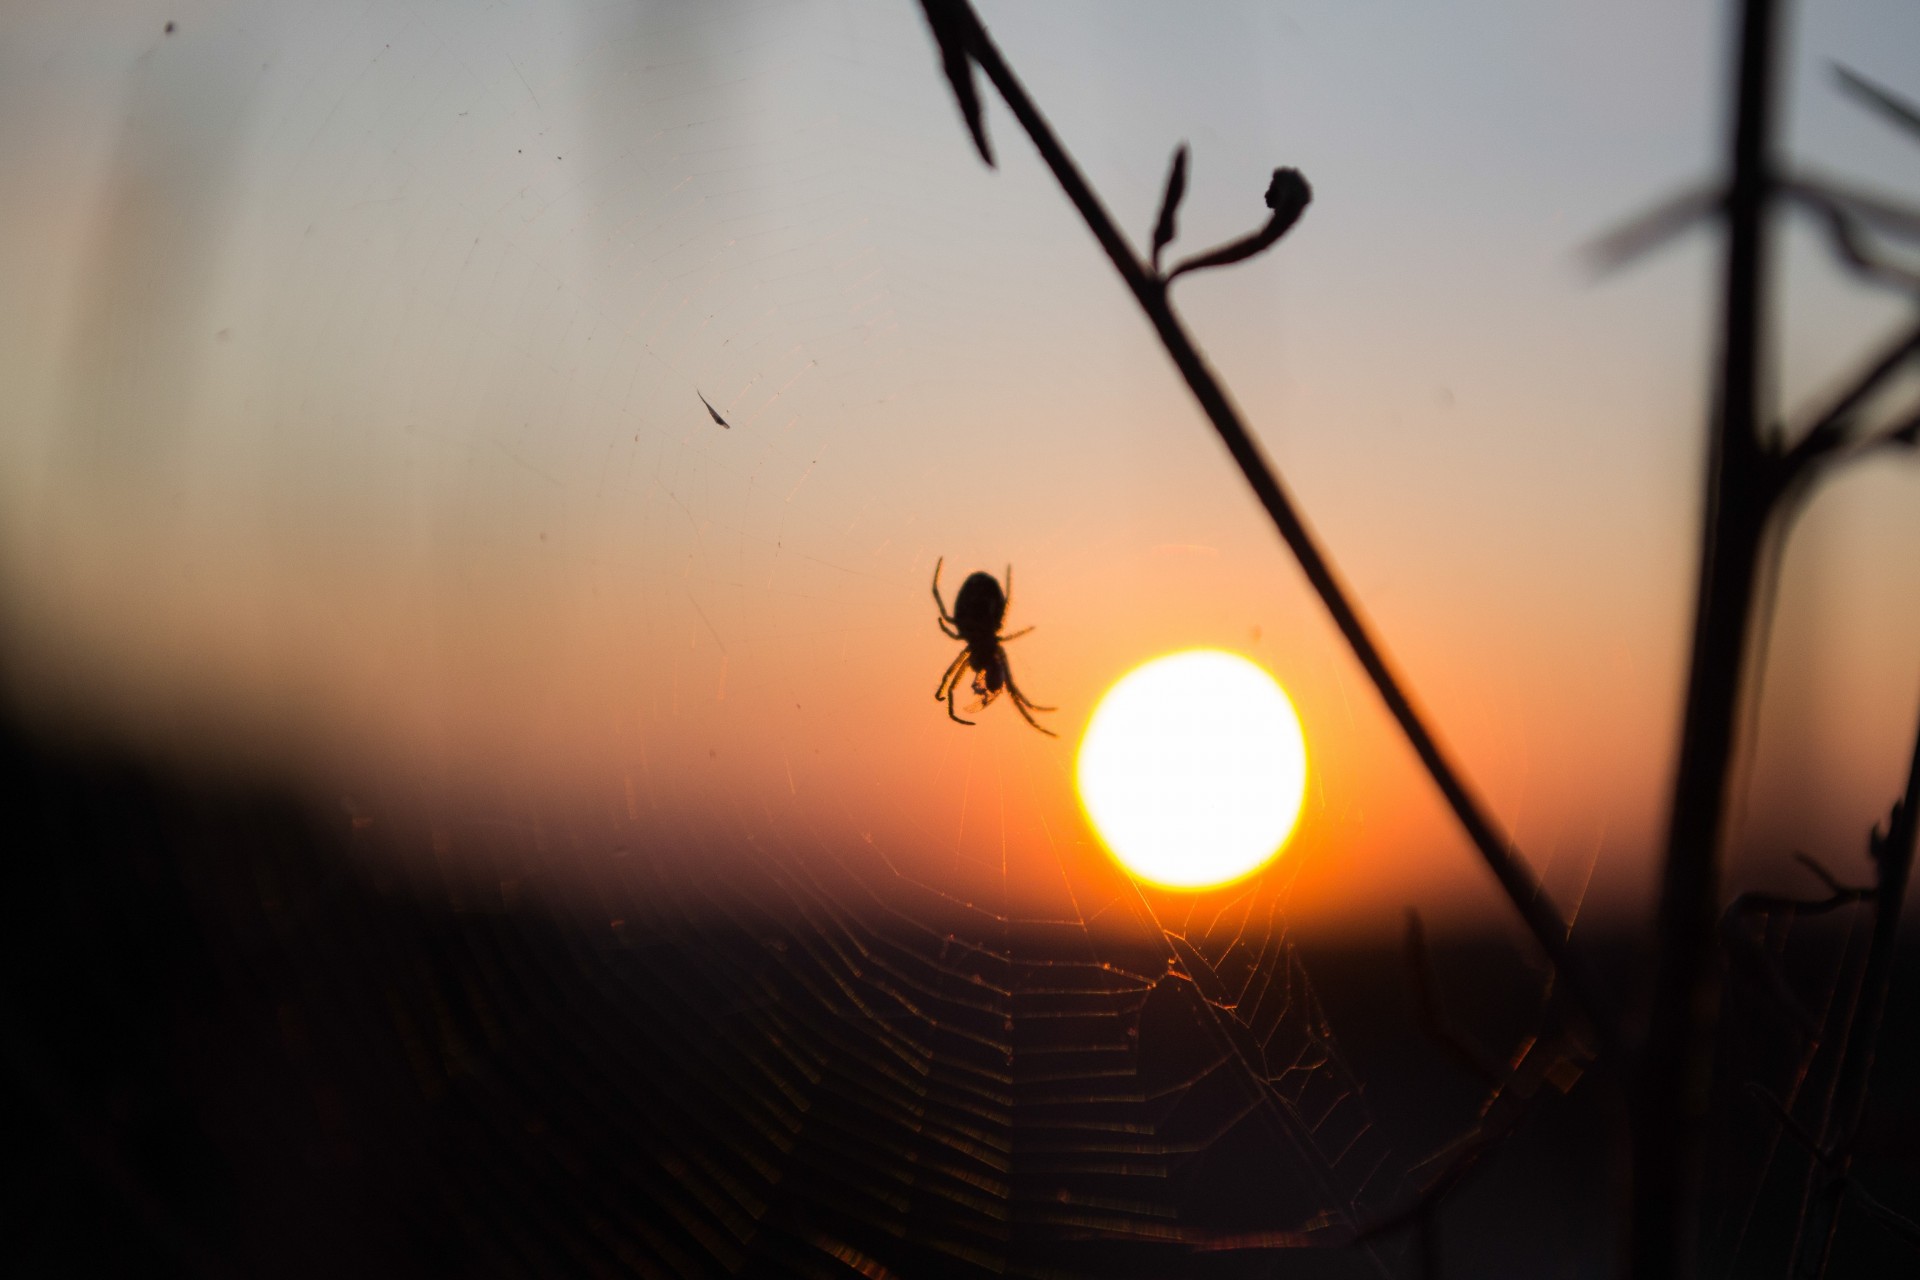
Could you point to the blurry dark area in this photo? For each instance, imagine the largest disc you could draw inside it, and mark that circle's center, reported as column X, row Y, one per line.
column 248, row 1034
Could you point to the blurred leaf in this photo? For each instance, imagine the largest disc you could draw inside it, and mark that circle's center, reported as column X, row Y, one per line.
column 1288, row 196
column 1880, row 212
column 1163, row 228
column 1891, row 107
column 949, row 22
column 1842, row 216
column 1645, row 232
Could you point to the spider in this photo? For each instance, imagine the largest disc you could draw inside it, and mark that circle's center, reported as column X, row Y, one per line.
column 977, row 613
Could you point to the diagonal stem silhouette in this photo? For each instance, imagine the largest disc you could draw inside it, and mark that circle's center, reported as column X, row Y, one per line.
column 954, row 21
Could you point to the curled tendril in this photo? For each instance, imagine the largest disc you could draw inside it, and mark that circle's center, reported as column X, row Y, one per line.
column 1288, row 196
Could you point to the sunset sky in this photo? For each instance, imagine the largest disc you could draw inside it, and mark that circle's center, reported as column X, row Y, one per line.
column 354, row 359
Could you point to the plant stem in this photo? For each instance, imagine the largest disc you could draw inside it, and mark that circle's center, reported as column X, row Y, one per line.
column 1529, row 898
column 1670, row 1092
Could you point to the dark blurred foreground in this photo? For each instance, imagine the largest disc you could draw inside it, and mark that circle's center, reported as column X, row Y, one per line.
column 247, row 1035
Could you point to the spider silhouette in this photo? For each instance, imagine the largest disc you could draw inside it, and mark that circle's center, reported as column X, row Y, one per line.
column 977, row 613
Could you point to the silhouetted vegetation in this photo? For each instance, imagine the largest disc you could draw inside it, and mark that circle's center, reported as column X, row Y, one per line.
column 1657, row 1052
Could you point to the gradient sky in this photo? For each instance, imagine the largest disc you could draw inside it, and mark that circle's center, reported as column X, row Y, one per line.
column 353, row 357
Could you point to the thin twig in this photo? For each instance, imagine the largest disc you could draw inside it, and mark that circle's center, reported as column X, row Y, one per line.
column 1795, row 1130
column 1829, row 430
column 1838, row 895
column 1887, row 1216
column 1756, row 965
column 1883, row 211
column 1516, row 878
column 1824, row 876
column 1891, row 107
column 1798, row 1079
column 1848, row 239
column 1902, row 433
column 1901, row 1225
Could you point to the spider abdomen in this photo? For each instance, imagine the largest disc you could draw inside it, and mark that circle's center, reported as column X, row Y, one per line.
column 980, row 606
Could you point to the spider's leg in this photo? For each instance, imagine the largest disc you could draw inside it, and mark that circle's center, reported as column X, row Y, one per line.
column 1021, row 700
column 1020, row 704
column 1006, row 597
column 936, row 589
column 955, row 669
column 951, row 685
column 1024, row 700
column 1006, row 669
column 947, row 622
column 1015, row 636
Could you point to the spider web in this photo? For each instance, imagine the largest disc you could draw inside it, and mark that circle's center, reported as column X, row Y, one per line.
column 887, row 1080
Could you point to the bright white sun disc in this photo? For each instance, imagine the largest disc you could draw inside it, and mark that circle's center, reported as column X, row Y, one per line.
column 1193, row 768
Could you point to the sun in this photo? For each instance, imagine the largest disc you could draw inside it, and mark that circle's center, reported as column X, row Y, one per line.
column 1193, row 768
